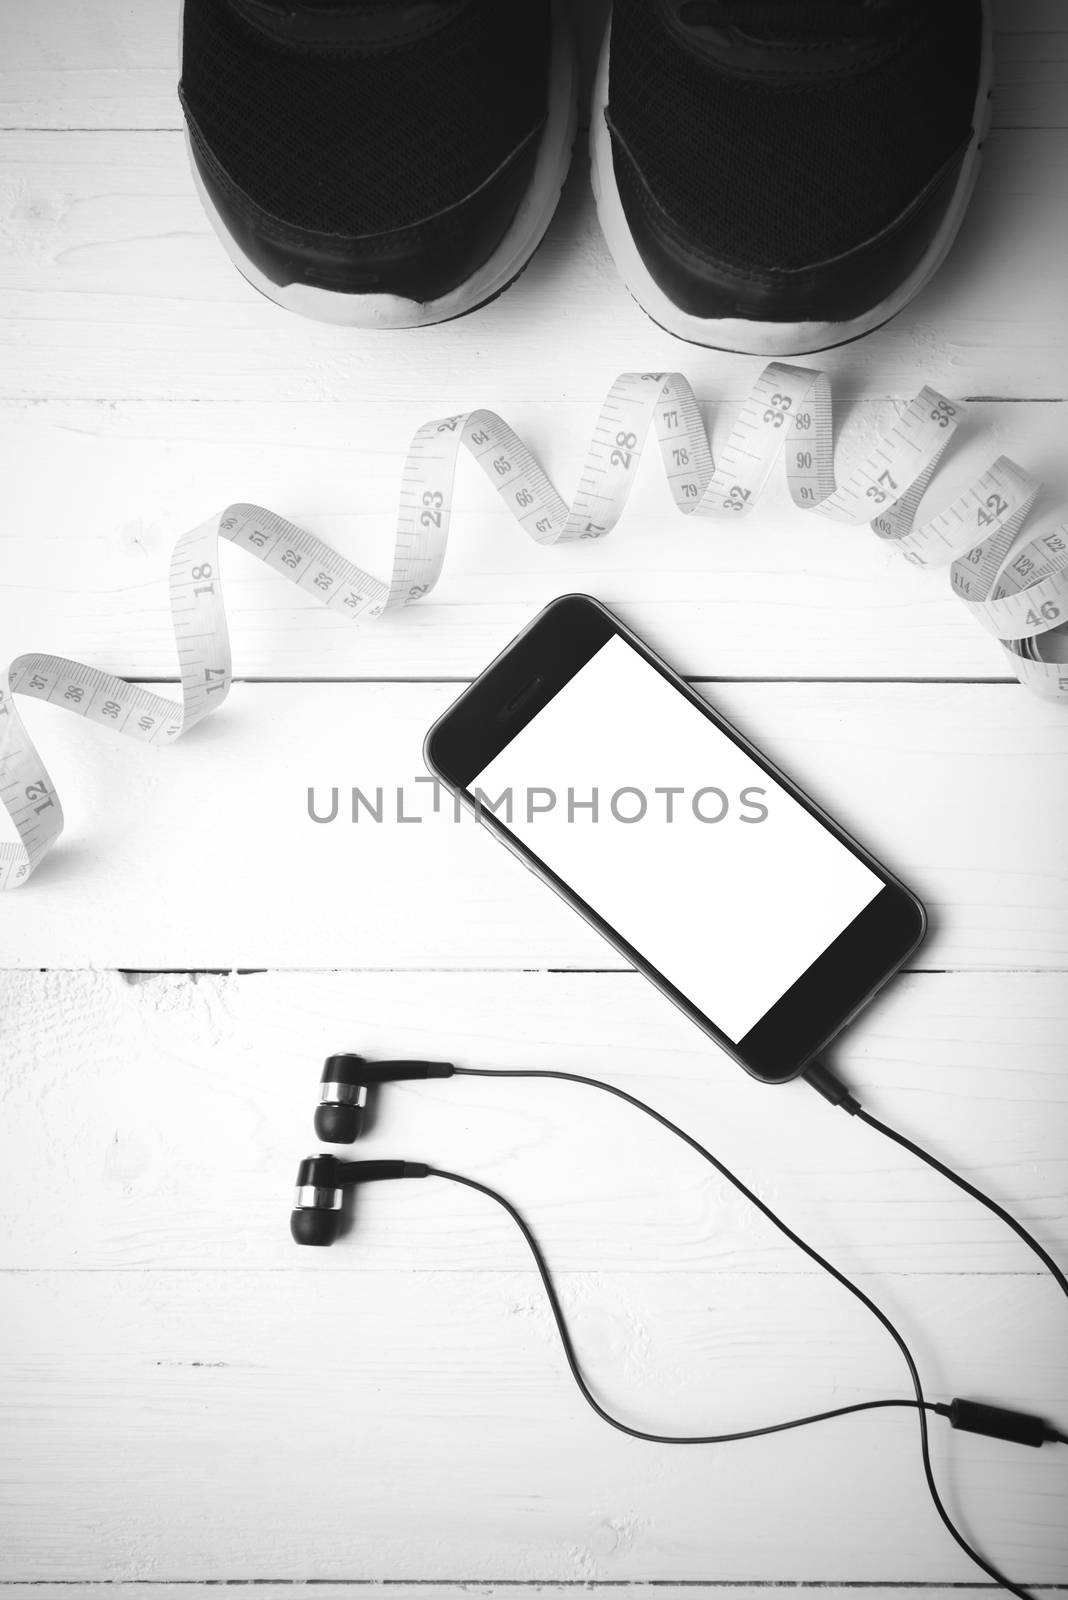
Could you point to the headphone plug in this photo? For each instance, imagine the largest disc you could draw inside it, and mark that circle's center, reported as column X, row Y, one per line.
column 994, row 1422
column 831, row 1088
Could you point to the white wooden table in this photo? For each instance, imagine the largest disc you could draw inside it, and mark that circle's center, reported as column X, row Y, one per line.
column 185, row 1399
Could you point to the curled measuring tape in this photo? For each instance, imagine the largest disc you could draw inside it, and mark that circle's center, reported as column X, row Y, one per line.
column 1019, row 595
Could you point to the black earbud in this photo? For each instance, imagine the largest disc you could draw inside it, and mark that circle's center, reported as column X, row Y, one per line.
column 321, row 1182
column 345, row 1083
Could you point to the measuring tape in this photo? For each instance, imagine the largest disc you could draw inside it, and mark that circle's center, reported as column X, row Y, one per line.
column 1020, row 596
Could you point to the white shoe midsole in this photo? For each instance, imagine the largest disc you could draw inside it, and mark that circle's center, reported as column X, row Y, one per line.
column 752, row 336
column 524, row 234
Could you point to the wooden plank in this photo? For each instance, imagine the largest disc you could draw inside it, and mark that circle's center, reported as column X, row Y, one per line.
column 170, row 1409
column 205, row 854
column 112, row 286
column 1033, row 16
column 1031, row 84
column 110, row 66
column 181, row 1099
column 100, row 65
column 267, row 1424
column 429, row 1589
column 100, row 492
column 158, row 1125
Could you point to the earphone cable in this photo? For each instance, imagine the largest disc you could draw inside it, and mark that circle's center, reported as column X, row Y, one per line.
column 969, row 1189
column 831, row 1087
column 920, row 1404
column 580, row 1379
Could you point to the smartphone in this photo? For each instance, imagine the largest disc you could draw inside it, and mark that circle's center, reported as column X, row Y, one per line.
column 700, row 862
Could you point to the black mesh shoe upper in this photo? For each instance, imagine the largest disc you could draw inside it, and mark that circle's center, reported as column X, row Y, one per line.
column 766, row 137
column 372, row 131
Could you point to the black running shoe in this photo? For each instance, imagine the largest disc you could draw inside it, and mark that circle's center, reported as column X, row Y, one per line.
column 778, row 176
column 383, row 163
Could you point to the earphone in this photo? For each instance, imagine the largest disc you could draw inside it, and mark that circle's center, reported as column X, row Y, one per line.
column 321, row 1183
column 344, row 1087
column 323, row 1179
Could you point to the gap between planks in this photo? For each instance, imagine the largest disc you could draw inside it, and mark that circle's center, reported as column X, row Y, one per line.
column 745, row 677
column 480, row 1585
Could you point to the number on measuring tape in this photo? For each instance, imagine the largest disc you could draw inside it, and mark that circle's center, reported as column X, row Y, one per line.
column 1018, row 594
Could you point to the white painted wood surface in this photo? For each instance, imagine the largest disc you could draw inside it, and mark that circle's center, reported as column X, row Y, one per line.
column 116, row 288
column 975, row 1057
column 783, row 595
column 200, row 1363
column 959, row 787
column 185, row 1399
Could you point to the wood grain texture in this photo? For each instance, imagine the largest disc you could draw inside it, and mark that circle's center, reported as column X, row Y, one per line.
column 207, row 1402
column 113, row 286
column 187, row 1401
column 430, row 1589
column 171, row 1112
column 107, row 64
column 103, row 491
column 328, row 1425
column 959, row 788
column 110, row 65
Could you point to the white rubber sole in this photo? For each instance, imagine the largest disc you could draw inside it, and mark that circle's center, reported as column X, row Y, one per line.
column 525, row 232
column 771, row 338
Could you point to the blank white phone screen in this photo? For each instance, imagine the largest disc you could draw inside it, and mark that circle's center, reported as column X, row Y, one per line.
column 727, row 886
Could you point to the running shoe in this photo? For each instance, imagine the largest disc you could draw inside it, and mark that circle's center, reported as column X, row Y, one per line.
column 779, row 176
column 380, row 163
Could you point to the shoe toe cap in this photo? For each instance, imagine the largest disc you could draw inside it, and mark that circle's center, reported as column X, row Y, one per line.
column 420, row 261
column 837, row 289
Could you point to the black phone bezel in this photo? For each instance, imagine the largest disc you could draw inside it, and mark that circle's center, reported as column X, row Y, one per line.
column 519, row 683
